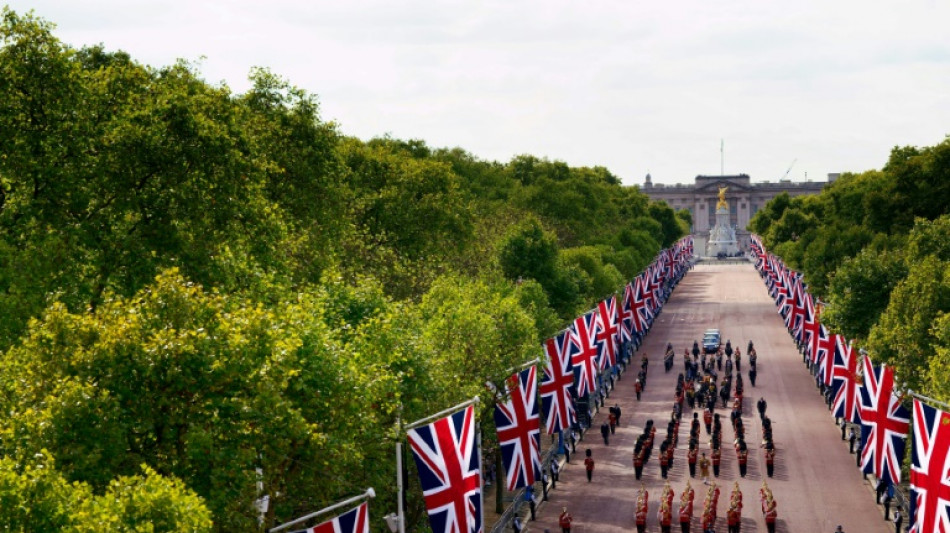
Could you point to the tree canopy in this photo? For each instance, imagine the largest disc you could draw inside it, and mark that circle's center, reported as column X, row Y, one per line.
column 197, row 286
column 874, row 246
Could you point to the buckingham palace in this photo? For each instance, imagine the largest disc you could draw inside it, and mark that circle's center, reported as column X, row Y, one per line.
column 744, row 198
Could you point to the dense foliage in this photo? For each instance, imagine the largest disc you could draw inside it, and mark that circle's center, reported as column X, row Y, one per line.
column 196, row 285
column 876, row 248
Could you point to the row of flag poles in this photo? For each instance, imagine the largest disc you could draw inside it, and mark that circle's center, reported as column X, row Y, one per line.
column 864, row 394
column 446, row 446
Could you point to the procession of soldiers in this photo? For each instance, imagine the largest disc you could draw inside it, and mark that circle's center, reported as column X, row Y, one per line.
column 710, row 385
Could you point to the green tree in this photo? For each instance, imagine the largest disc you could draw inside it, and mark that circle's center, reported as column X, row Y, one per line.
column 860, row 291
column 904, row 337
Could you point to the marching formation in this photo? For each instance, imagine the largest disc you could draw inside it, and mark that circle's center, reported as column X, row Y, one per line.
column 706, row 385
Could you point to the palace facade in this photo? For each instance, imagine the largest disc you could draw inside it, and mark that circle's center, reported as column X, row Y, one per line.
column 744, row 197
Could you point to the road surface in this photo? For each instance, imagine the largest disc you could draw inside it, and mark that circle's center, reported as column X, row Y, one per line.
column 816, row 484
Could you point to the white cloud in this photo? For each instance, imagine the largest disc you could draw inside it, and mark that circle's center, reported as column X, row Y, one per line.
column 634, row 87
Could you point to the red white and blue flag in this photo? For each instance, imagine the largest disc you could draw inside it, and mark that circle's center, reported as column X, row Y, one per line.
column 446, row 457
column 823, row 353
column 811, row 327
column 844, row 379
column 645, row 287
column 930, row 471
column 608, row 332
column 556, row 400
column 643, row 302
column 628, row 317
column 355, row 521
column 798, row 315
column 584, row 355
column 884, row 424
column 519, row 429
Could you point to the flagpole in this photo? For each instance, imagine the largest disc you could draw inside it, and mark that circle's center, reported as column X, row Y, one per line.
column 440, row 414
column 514, row 369
column 370, row 493
column 400, row 512
column 928, row 399
column 481, row 481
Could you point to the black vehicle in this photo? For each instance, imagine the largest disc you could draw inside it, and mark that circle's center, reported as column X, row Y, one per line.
column 711, row 340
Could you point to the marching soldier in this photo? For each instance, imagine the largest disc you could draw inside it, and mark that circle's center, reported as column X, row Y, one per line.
column 638, row 463
column 669, row 451
column 691, row 457
column 664, row 458
column 733, row 518
column 716, row 460
column 642, row 505
column 769, row 458
column 742, row 455
column 665, row 516
column 565, row 520
column 686, row 508
column 771, row 515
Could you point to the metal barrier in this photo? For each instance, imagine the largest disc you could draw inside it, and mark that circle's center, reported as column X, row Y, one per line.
column 504, row 522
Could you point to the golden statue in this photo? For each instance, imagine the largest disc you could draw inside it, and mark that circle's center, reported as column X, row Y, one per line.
column 722, row 198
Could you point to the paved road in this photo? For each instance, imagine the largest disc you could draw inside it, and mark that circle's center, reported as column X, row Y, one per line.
column 816, row 483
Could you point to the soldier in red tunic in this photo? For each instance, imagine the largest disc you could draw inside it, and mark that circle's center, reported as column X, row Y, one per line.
column 770, row 458
column 742, row 454
column 771, row 515
column 691, row 456
column 638, row 463
column 686, row 508
column 643, row 503
column 565, row 520
column 716, row 460
column 665, row 516
column 734, row 515
column 733, row 519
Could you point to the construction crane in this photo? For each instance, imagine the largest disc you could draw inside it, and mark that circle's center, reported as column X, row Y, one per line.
column 789, row 169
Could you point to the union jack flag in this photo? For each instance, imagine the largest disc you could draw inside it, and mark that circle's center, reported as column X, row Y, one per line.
column 844, row 379
column 824, row 347
column 811, row 327
column 447, row 461
column 796, row 319
column 607, row 332
column 783, row 299
column 930, row 471
column 642, row 303
column 556, row 401
column 884, row 424
column 519, row 429
column 355, row 521
column 627, row 315
column 645, row 291
column 584, row 357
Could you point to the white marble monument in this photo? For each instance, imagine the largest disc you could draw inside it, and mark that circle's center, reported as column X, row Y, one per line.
column 722, row 238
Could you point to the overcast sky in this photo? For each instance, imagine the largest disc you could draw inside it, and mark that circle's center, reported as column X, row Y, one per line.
column 634, row 86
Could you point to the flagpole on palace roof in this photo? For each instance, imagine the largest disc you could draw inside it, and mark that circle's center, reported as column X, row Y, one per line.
column 928, row 399
column 370, row 493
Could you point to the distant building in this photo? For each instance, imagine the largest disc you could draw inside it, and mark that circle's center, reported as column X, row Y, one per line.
column 745, row 199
